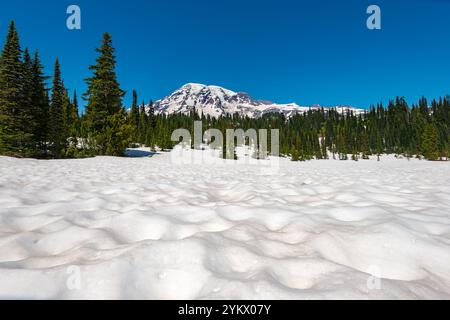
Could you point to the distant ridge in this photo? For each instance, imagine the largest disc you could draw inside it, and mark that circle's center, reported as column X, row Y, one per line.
column 216, row 101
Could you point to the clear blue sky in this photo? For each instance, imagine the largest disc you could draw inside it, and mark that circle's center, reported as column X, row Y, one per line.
column 286, row 51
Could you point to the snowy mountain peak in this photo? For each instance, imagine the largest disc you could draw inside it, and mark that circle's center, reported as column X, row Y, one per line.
column 217, row 101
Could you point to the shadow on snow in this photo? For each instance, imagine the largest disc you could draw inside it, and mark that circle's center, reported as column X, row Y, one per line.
column 139, row 153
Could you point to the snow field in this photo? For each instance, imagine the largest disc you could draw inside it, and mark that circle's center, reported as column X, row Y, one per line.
column 149, row 228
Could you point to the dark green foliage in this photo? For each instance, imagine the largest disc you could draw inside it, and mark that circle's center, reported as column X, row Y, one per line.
column 15, row 136
column 40, row 106
column 26, row 113
column 142, row 126
column 104, row 96
column 70, row 111
column 104, row 102
column 23, row 101
column 151, row 125
column 57, row 130
column 117, row 136
column 294, row 154
column 75, row 106
column 430, row 141
column 398, row 129
column 134, row 111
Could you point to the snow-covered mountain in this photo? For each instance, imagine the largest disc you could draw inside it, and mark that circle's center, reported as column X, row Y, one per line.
column 216, row 101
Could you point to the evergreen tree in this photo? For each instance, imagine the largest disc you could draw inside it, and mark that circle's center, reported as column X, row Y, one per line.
column 430, row 148
column 57, row 131
column 76, row 110
column 40, row 103
column 150, row 136
column 68, row 110
column 118, row 134
column 134, row 111
column 294, row 154
column 143, row 124
column 71, row 111
column 104, row 95
column 104, row 101
column 13, row 118
column 27, row 112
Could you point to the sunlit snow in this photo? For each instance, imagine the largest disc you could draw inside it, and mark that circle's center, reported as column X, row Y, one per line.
column 152, row 228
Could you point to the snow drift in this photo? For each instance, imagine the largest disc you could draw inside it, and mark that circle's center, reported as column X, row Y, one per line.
column 146, row 228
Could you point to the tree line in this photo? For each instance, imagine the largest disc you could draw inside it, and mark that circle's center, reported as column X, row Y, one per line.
column 42, row 121
column 419, row 130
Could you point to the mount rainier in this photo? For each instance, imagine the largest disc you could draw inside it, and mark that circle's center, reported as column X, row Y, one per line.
column 217, row 101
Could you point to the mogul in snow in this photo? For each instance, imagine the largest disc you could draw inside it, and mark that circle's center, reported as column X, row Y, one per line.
column 134, row 167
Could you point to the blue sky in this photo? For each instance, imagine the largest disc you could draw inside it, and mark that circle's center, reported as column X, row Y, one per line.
column 302, row 51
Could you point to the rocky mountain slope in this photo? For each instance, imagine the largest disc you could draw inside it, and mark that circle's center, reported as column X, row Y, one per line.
column 216, row 101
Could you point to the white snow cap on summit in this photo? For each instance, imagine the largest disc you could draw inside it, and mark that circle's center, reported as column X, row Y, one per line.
column 216, row 101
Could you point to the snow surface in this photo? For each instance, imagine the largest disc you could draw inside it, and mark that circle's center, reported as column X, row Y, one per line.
column 149, row 228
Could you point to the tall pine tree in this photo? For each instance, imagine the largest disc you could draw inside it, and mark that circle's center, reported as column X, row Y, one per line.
column 40, row 103
column 57, row 130
column 13, row 118
column 104, row 104
column 27, row 112
column 430, row 142
column 104, row 95
column 134, row 112
column 76, row 110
